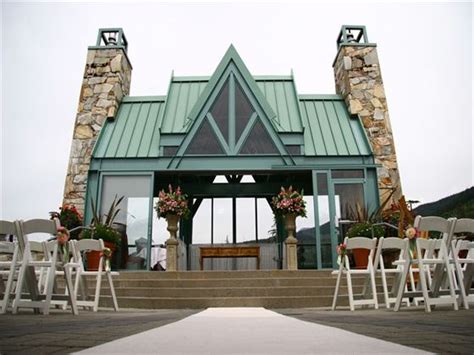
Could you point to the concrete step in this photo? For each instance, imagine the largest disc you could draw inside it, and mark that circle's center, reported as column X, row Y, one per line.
column 195, row 289
column 222, row 274
column 227, row 292
column 204, row 302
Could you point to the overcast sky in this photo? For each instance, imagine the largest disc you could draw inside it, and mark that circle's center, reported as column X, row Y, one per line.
column 425, row 52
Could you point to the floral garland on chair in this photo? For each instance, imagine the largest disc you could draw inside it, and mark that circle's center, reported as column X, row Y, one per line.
column 62, row 237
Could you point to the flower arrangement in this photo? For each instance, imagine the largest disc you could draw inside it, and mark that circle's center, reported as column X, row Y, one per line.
column 172, row 202
column 107, row 254
column 412, row 233
column 341, row 251
column 62, row 236
column 289, row 201
column 70, row 218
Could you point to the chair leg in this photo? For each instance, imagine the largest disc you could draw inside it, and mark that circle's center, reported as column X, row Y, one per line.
column 424, row 286
column 452, row 292
column 336, row 291
column 112, row 291
column 70, row 289
column 401, row 287
column 374, row 287
column 349, row 291
column 19, row 287
column 384, row 285
column 97, row 291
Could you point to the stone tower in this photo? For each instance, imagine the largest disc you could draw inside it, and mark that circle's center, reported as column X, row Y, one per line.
column 106, row 80
column 359, row 80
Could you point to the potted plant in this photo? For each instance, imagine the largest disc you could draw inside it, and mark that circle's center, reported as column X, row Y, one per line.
column 172, row 205
column 102, row 228
column 290, row 204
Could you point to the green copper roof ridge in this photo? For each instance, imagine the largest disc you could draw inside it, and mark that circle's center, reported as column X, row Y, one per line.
column 317, row 97
column 146, row 98
column 231, row 56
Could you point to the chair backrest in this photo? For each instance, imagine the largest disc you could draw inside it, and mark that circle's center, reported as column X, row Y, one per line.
column 34, row 226
column 464, row 225
column 7, row 247
column 7, row 227
column 436, row 224
column 391, row 243
column 36, row 247
column 360, row 243
column 89, row 244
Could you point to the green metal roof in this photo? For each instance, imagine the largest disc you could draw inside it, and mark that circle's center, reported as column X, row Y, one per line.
column 323, row 120
column 135, row 132
column 329, row 129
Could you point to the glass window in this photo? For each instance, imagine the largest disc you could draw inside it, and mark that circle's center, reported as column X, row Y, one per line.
column 347, row 174
column 245, row 220
column 170, row 151
column 265, row 221
column 243, row 111
column 259, row 141
column 220, row 111
column 348, row 196
column 306, row 236
column 133, row 218
column 293, row 149
column 202, row 223
column 205, row 141
column 222, row 220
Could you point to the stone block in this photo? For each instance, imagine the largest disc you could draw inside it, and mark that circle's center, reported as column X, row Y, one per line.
column 379, row 114
column 376, row 103
column 104, row 103
column 355, row 106
column 347, row 63
column 103, row 88
column 116, row 63
column 90, row 56
column 96, row 80
column 84, row 118
column 83, row 132
column 379, row 91
column 371, row 58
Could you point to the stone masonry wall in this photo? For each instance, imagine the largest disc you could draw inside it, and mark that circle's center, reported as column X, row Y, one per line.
column 106, row 80
column 359, row 81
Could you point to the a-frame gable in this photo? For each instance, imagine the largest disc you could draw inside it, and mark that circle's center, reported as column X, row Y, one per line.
column 234, row 114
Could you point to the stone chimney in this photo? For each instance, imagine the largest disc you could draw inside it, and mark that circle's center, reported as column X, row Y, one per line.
column 359, row 81
column 106, row 80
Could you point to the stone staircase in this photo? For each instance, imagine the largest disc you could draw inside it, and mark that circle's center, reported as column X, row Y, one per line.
column 202, row 289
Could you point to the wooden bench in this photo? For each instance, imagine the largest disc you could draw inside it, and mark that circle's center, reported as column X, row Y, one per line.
column 229, row 252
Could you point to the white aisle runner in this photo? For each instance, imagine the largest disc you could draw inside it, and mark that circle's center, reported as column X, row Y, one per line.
column 247, row 331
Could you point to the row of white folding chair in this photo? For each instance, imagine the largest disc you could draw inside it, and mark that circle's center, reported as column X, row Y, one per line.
column 463, row 265
column 366, row 297
column 432, row 264
column 27, row 292
column 401, row 247
column 81, row 285
column 9, row 266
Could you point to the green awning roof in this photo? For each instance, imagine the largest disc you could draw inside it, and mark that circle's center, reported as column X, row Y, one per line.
column 324, row 121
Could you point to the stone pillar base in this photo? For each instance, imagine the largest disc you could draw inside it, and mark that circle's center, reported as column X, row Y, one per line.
column 291, row 253
column 172, row 254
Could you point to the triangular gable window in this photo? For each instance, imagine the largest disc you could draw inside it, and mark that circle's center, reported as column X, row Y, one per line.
column 220, row 111
column 205, row 141
column 234, row 122
column 259, row 141
column 243, row 111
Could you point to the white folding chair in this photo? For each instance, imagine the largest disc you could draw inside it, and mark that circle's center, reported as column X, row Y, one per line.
column 344, row 268
column 8, row 268
column 432, row 263
column 464, row 265
column 401, row 246
column 80, row 286
column 27, row 276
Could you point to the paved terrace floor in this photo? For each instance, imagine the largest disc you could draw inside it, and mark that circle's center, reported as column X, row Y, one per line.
column 442, row 331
